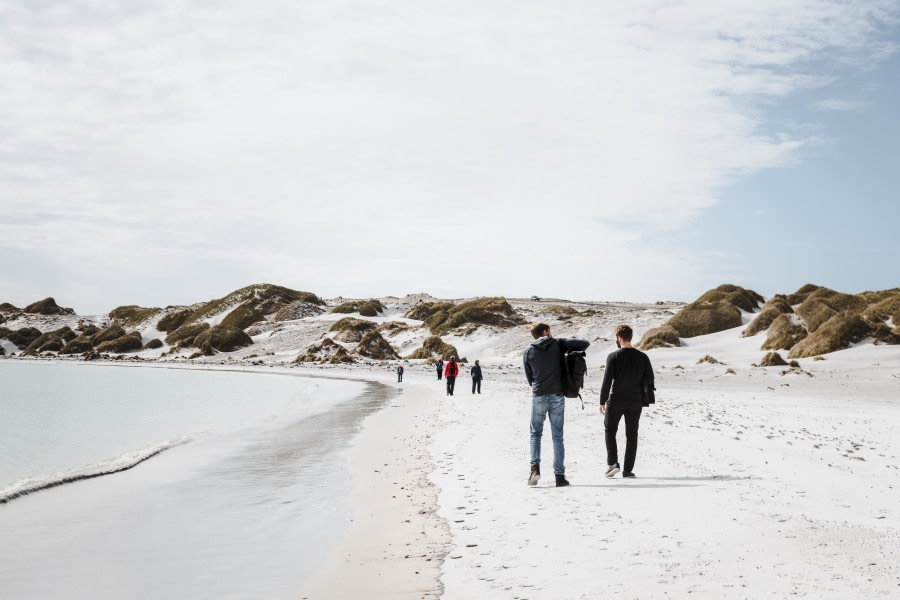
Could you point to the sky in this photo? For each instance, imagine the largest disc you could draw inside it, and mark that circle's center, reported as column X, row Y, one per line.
column 160, row 153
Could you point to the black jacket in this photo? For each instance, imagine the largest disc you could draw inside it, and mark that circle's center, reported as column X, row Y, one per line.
column 543, row 362
column 628, row 380
column 476, row 372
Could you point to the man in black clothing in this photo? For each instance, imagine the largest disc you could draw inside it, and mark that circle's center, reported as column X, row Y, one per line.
column 399, row 373
column 627, row 387
column 476, row 377
column 440, row 368
column 543, row 370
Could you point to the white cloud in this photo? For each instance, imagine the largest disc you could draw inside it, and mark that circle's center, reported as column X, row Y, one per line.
column 381, row 147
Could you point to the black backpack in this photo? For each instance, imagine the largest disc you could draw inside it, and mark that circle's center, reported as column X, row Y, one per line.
column 573, row 371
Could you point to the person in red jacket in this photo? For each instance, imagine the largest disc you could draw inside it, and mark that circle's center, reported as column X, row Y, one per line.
column 450, row 373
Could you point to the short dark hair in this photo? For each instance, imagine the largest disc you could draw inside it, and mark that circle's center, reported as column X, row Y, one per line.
column 624, row 332
column 538, row 329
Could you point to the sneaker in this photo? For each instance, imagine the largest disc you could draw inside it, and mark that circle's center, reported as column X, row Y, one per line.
column 535, row 475
column 612, row 470
column 561, row 481
column 627, row 474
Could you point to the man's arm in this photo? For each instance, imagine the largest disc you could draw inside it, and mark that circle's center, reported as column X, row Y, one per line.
column 573, row 344
column 528, row 374
column 649, row 384
column 607, row 379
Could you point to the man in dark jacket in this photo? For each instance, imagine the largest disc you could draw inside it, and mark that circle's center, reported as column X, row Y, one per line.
column 450, row 373
column 440, row 367
column 628, row 386
column 476, row 376
column 399, row 373
column 544, row 371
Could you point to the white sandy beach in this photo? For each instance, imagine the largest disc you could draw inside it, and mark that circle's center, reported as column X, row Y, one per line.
column 753, row 485
column 765, row 483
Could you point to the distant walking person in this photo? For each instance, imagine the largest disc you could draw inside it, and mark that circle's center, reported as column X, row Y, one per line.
column 543, row 370
column 440, row 368
column 628, row 387
column 476, row 377
column 450, row 373
column 399, row 373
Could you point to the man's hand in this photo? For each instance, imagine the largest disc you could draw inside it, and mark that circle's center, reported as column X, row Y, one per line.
column 602, row 409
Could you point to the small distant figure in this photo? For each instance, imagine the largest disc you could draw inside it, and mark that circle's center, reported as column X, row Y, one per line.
column 440, row 368
column 450, row 373
column 628, row 387
column 476, row 376
column 399, row 373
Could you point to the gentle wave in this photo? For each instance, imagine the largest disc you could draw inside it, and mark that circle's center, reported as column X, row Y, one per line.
column 126, row 461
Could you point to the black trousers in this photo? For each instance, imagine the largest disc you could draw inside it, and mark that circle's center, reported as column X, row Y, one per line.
column 476, row 383
column 451, row 383
column 439, row 374
column 399, row 376
column 632, row 418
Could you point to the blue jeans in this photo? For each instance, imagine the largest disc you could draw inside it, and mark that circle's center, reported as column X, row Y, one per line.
column 555, row 404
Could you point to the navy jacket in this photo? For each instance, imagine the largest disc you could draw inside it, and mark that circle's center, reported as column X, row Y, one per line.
column 543, row 363
column 476, row 372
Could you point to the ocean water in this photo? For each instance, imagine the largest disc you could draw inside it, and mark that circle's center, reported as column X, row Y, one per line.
column 244, row 501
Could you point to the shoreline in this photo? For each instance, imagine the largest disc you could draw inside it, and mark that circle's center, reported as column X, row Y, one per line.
column 395, row 543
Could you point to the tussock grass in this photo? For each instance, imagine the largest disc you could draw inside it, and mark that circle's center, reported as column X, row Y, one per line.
column 783, row 334
column 837, row 333
column 88, row 330
column 708, row 359
column 801, row 294
column 373, row 345
column 774, row 307
column 262, row 298
column 884, row 307
column 153, row 344
column 328, row 351
column 822, row 304
column 6, row 307
column 222, row 338
column 494, row 311
column 105, row 335
column 702, row 319
column 131, row 316
column 184, row 335
column 366, row 308
column 435, row 347
column 659, row 337
column 23, row 337
column 716, row 310
column 126, row 343
column 174, row 320
column 298, row 310
column 351, row 329
column 79, row 345
column 772, row 359
column 242, row 317
column 424, row 310
column 48, row 306
column 734, row 295
column 391, row 327
column 52, row 341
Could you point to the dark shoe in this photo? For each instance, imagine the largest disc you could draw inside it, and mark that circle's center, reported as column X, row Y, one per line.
column 627, row 474
column 561, row 481
column 612, row 470
column 535, row 475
